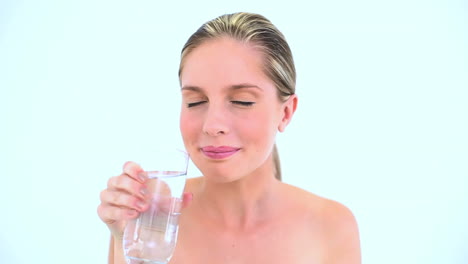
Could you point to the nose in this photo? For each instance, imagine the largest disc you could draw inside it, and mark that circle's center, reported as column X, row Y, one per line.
column 216, row 121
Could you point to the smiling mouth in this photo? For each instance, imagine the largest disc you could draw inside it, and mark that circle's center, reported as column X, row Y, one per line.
column 218, row 153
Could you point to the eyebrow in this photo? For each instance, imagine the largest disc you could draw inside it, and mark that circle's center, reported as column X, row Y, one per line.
column 245, row 85
column 191, row 88
column 232, row 87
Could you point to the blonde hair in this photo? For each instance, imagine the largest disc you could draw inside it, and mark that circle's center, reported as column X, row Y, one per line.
column 255, row 29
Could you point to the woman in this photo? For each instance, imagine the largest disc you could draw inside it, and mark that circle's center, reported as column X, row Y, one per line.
column 237, row 82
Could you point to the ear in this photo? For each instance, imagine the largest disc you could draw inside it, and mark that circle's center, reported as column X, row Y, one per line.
column 287, row 110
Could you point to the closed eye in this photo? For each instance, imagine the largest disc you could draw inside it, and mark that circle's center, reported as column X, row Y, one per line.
column 195, row 104
column 243, row 103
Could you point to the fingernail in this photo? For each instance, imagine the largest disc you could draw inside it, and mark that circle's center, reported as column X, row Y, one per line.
column 144, row 191
column 142, row 177
column 140, row 204
column 131, row 212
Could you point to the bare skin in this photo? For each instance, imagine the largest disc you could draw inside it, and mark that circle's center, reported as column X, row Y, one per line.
column 286, row 224
column 290, row 226
column 237, row 212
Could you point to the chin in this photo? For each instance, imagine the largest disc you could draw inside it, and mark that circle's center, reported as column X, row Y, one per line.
column 220, row 174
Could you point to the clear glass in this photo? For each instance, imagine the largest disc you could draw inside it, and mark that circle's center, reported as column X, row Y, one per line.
column 151, row 238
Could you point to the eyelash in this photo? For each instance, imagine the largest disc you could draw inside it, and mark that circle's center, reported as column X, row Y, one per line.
column 195, row 104
column 242, row 103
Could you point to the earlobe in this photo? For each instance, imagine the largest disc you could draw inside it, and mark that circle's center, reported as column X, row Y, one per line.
column 288, row 109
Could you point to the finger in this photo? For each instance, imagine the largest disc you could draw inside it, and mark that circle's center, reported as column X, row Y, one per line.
column 111, row 214
column 186, row 199
column 134, row 171
column 127, row 184
column 172, row 204
column 123, row 200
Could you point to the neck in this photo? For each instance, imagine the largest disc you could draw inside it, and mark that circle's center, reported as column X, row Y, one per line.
column 243, row 203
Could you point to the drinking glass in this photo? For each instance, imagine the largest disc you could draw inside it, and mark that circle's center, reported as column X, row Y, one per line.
column 151, row 238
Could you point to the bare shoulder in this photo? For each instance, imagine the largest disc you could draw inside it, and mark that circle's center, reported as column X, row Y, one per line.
column 327, row 207
column 339, row 229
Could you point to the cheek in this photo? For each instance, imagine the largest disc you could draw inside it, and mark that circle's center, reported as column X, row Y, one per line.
column 188, row 126
column 260, row 128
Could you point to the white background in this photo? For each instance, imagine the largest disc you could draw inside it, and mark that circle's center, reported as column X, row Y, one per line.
column 382, row 122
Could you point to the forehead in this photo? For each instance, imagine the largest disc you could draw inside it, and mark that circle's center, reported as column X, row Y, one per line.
column 224, row 62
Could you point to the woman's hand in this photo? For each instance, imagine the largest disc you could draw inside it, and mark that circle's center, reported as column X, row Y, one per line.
column 125, row 197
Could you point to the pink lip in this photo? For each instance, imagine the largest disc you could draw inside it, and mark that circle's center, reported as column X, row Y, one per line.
column 221, row 152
